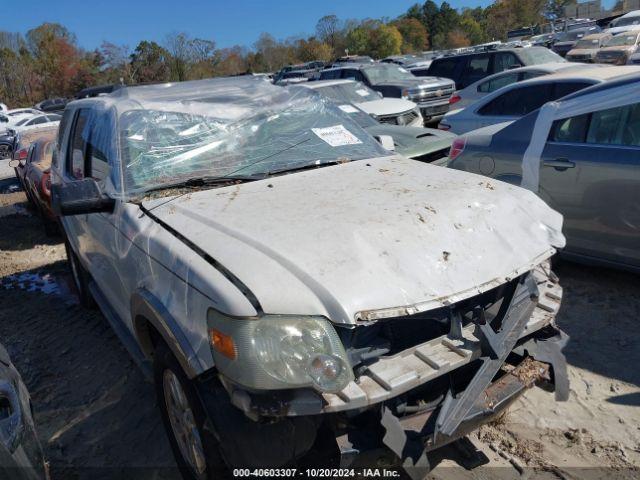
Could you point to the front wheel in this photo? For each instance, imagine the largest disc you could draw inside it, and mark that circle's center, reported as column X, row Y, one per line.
column 195, row 448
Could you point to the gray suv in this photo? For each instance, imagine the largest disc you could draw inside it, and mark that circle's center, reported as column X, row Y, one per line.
column 430, row 93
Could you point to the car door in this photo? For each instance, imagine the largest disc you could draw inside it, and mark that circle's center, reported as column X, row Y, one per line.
column 107, row 237
column 590, row 173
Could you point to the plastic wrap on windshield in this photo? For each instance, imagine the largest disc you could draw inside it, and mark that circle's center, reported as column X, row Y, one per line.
column 229, row 127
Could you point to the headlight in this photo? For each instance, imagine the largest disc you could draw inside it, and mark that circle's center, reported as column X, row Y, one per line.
column 279, row 352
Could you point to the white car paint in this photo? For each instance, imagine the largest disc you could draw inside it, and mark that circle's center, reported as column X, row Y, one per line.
column 344, row 256
column 378, row 107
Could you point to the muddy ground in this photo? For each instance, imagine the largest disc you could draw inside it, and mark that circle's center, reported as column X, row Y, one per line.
column 97, row 417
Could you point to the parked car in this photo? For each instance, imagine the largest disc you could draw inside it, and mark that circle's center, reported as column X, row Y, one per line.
column 543, row 40
column 98, row 90
column 36, row 121
column 21, row 456
column 52, row 105
column 277, row 269
column 618, row 49
column 588, row 161
column 36, row 178
column 423, row 144
column 519, row 99
column 586, row 48
column 10, row 118
column 431, row 94
column 625, row 23
column 469, row 68
column 465, row 97
column 566, row 41
column 394, row 111
column 22, row 144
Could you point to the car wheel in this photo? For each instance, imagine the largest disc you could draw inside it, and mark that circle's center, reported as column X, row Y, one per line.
column 195, row 448
column 80, row 277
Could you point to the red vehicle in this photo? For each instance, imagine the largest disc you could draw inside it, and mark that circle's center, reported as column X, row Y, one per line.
column 32, row 163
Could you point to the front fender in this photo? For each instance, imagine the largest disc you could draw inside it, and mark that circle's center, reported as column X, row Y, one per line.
column 147, row 312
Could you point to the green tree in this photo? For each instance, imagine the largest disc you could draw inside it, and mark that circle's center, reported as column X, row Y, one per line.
column 414, row 34
column 150, row 63
column 385, row 40
column 357, row 41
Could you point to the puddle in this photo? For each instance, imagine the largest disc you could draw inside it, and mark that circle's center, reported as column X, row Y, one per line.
column 47, row 283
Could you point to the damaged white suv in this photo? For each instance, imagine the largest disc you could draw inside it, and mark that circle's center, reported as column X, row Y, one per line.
column 292, row 286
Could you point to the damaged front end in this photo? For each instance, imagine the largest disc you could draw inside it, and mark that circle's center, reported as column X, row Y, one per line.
column 422, row 381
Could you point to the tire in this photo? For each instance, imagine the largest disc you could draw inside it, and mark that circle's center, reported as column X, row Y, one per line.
column 80, row 277
column 176, row 393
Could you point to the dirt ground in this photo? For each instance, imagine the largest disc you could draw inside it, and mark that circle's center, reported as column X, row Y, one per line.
column 97, row 417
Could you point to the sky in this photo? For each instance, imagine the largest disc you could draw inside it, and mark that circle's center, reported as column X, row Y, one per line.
column 227, row 22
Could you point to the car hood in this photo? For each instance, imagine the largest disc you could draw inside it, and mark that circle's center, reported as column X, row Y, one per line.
column 367, row 239
column 387, row 106
column 419, row 82
column 414, row 141
column 582, row 51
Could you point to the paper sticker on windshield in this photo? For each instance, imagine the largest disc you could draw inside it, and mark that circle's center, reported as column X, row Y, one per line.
column 362, row 92
column 336, row 136
column 348, row 108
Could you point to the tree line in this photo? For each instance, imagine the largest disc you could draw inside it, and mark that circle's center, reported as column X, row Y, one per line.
column 47, row 61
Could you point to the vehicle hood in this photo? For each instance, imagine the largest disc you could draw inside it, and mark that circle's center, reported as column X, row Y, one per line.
column 387, row 106
column 367, row 239
column 622, row 49
column 419, row 82
column 583, row 51
column 414, row 141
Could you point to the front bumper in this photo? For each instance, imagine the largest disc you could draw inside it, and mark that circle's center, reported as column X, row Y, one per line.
column 389, row 377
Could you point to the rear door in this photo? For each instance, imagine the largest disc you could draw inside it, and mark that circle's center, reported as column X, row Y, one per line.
column 591, row 174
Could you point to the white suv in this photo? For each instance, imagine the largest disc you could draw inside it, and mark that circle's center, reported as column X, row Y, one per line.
column 283, row 277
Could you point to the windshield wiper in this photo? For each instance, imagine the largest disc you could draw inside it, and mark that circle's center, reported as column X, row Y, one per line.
column 308, row 166
column 205, row 180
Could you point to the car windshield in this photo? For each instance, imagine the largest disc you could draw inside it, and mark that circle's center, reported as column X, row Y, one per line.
column 622, row 40
column 537, row 55
column 350, row 92
column 587, row 43
column 231, row 127
column 385, row 73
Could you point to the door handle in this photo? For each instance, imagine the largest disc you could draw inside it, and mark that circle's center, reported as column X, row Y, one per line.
column 560, row 164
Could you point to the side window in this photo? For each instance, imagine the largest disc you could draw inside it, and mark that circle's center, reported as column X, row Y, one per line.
column 478, row 66
column 518, row 101
column 566, row 88
column 445, row 67
column 77, row 146
column 530, row 74
column 571, row 130
column 504, row 60
column 616, row 126
column 499, row 82
column 38, row 120
column 352, row 75
column 99, row 147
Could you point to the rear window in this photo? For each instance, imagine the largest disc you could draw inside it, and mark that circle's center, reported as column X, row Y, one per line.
column 519, row 101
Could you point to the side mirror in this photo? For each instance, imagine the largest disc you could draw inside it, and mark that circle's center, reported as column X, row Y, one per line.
column 387, row 142
column 80, row 197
